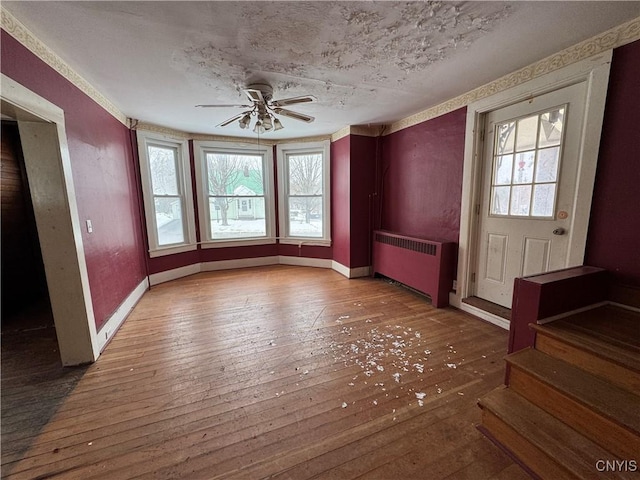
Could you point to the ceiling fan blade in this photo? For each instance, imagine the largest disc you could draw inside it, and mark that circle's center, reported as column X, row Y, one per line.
column 298, row 116
column 231, row 120
column 293, row 100
column 254, row 95
column 215, row 106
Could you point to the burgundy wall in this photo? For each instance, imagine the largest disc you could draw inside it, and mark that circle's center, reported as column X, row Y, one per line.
column 614, row 230
column 422, row 178
column 363, row 198
column 104, row 177
column 340, row 200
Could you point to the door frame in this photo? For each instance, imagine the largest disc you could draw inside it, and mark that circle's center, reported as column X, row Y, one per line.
column 48, row 164
column 595, row 72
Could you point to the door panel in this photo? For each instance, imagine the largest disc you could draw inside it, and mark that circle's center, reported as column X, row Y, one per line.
column 530, row 166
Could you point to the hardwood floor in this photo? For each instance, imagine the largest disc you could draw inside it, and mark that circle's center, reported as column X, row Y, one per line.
column 272, row 372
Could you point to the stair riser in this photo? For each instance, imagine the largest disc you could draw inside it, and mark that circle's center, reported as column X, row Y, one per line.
column 614, row 373
column 603, row 431
column 527, row 453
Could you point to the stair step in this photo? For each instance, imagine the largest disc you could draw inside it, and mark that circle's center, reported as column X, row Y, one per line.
column 604, row 341
column 605, row 413
column 547, row 446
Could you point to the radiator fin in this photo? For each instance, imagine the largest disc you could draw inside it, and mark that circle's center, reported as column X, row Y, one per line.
column 408, row 244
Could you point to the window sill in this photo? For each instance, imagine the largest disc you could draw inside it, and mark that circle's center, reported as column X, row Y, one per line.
column 306, row 242
column 241, row 242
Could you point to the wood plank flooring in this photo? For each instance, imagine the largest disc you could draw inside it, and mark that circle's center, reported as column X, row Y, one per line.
column 272, row 372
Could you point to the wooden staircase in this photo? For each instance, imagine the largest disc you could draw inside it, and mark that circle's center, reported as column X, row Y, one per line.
column 571, row 409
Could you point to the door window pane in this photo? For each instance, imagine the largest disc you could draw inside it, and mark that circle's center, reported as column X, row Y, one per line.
column 543, row 200
column 524, row 167
column 504, row 165
column 547, row 168
column 525, row 183
column 520, row 200
column 505, row 139
column 500, row 201
column 551, row 126
column 527, row 133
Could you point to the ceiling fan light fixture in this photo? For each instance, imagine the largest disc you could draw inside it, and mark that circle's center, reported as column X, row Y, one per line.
column 277, row 125
column 244, row 121
column 267, row 123
column 259, row 128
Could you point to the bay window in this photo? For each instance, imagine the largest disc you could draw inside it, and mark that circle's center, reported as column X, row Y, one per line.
column 234, row 194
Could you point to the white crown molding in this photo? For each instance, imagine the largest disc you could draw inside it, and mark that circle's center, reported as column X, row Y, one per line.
column 613, row 38
column 22, row 34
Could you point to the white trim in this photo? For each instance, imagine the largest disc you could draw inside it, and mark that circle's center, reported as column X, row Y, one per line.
column 174, row 274
column 238, row 263
column 562, row 315
column 185, row 192
column 350, row 272
column 594, row 71
column 48, row 164
column 305, row 261
column 111, row 326
column 304, row 242
column 486, row 316
column 340, row 268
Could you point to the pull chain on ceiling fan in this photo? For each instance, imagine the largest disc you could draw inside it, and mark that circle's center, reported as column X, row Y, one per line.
column 265, row 109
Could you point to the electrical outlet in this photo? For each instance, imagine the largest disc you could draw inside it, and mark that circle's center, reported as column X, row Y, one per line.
column 89, row 226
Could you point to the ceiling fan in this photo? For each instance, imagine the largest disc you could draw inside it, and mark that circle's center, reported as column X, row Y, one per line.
column 265, row 109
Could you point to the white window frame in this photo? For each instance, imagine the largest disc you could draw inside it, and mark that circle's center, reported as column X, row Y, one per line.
column 146, row 139
column 201, row 148
column 283, row 150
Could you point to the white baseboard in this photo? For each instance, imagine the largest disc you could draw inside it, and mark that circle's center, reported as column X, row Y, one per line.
column 350, row 272
column 238, row 263
column 161, row 277
column 180, row 272
column 486, row 316
column 112, row 325
column 360, row 272
column 304, row 261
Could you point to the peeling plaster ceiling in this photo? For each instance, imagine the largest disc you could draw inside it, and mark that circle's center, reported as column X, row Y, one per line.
column 366, row 62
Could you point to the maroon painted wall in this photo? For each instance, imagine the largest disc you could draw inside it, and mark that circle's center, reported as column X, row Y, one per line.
column 340, row 200
column 104, row 177
column 614, row 229
column 422, row 178
column 363, row 198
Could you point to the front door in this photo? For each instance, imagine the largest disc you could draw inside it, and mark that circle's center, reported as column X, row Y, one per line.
column 530, row 168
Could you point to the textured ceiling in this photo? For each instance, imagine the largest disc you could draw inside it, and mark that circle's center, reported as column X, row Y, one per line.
column 366, row 62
